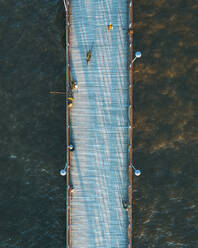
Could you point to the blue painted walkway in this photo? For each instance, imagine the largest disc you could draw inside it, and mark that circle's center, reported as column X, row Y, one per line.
column 99, row 122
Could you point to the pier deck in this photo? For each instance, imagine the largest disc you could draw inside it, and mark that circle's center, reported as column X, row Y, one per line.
column 98, row 125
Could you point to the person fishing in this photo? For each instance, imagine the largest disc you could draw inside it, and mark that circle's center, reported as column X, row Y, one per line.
column 126, row 205
column 73, row 84
column 70, row 101
column 71, row 147
column 130, row 31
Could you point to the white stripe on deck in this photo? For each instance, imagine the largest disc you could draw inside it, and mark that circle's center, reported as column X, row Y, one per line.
column 99, row 121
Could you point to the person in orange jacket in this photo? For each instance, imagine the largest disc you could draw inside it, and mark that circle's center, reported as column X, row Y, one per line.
column 110, row 27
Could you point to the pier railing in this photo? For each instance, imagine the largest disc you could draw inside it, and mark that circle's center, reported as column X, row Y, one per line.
column 130, row 170
column 68, row 188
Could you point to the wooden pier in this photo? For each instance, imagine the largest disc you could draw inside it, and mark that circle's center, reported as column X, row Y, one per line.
column 99, row 124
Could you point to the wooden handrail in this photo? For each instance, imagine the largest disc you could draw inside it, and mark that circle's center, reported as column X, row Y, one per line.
column 67, row 43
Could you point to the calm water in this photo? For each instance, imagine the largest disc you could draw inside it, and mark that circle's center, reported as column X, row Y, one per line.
column 32, row 206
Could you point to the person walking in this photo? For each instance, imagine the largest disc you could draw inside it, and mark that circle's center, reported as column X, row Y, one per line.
column 110, row 27
column 88, row 56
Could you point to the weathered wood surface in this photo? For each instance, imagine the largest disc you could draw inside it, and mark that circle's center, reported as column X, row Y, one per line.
column 99, row 123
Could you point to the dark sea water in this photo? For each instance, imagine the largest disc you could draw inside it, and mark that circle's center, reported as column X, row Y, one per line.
column 32, row 124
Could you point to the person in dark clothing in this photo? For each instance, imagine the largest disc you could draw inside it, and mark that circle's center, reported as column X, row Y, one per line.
column 126, row 205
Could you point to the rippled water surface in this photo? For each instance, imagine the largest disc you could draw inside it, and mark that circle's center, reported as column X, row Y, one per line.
column 32, row 124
